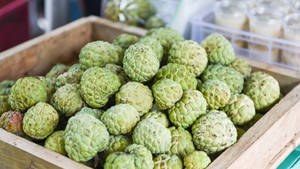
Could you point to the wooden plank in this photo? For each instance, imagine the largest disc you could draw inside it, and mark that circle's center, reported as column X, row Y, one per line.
column 17, row 153
column 37, row 56
column 260, row 144
column 107, row 30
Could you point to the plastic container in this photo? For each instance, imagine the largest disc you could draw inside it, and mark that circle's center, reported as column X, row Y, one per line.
column 14, row 27
column 203, row 24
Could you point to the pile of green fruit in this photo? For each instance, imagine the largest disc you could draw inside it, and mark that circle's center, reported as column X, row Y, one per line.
column 158, row 101
column 133, row 12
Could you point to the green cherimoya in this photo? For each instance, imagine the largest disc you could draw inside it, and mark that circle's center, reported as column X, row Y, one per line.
column 49, row 84
column 125, row 40
column 118, row 70
column 84, row 137
column 57, row 70
column 137, row 95
column 117, row 144
column 120, row 119
column 135, row 157
column 166, row 93
column 4, row 104
column 179, row 74
column 11, row 121
column 5, row 87
column 182, row 142
column 56, row 142
column 40, row 121
column 26, row 92
column 72, row 76
column 155, row 45
column 97, row 85
column 154, row 22
column 130, row 12
column 158, row 116
column 188, row 109
column 233, row 78
column 213, row 132
column 253, row 121
column 153, row 135
column 99, row 53
column 241, row 66
column 165, row 161
column 190, row 54
column 240, row 109
column 97, row 113
column 140, row 63
column 67, row 100
column 219, row 50
column 166, row 36
column 217, row 93
column 197, row 160
column 263, row 89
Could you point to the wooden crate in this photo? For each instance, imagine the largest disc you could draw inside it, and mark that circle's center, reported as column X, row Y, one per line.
column 264, row 145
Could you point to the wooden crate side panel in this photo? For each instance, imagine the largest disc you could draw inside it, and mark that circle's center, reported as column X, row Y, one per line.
column 17, row 152
column 37, row 56
column 107, row 30
column 261, row 143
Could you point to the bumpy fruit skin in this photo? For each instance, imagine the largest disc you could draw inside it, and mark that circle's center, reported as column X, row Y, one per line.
column 190, row 54
column 166, row 93
column 154, row 22
column 158, row 116
column 213, row 132
column 140, row 63
column 97, row 85
column 40, row 121
column 137, row 95
column 240, row 132
column 5, row 87
column 26, row 92
column 153, row 135
column 240, row 109
column 166, row 36
column 99, row 53
column 263, row 89
column 72, row 76
column 179, row 74
column 117, row 144
column 11, row 121
column 129, row 12
column 197, row 160
column 57, row 70
column 125, row 40
column 233, row 78
column 118, row 70
column 97, row 113
column 188, row 109
column 84, row 137
column 4, row 104
column 253, row 121
column 182, row 142
column 56, row 142
column 155, row 45
column 120, row 119
column 119, row 160
column 241, row 66
column 218, row 49
column 143, row 157
column 135, row 157
column 49, row 84
column 165, row 161
column 67, row 100
column 217, row 93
